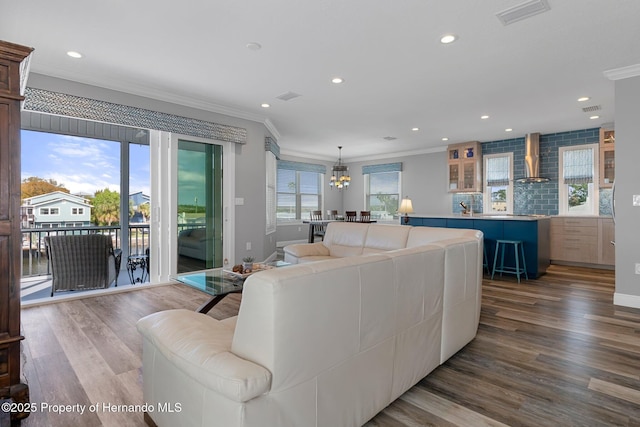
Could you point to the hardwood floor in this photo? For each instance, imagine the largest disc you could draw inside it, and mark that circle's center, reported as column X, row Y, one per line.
column 549, row 352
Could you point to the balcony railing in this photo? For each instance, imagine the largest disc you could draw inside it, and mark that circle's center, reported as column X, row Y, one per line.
column 34, row 252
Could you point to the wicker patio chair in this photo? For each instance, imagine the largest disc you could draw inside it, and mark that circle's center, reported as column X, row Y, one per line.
column 80, row 262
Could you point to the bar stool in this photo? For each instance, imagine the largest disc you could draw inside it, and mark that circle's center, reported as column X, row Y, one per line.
column 485, row 262
column 517, row 270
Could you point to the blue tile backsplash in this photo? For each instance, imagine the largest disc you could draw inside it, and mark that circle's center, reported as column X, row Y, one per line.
column 538, row 198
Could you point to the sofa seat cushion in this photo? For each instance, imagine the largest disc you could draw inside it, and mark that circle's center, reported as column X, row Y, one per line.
column 199, row 346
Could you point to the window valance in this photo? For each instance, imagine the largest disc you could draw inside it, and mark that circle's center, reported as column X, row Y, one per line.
column 271, row 145
column 45, row 101
column 300, row 166
column 387, row 167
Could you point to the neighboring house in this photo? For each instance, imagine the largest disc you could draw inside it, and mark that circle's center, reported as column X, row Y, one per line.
column 55, row 209
column 135, row 201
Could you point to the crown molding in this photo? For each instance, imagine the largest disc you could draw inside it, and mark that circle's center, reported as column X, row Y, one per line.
column 623, row 72
column 153, row 93
column 272, row 128
column 383, row 156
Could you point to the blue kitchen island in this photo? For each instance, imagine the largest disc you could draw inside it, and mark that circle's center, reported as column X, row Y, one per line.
column 532, row 230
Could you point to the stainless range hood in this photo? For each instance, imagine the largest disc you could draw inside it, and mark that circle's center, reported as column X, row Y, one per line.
column 532, row 160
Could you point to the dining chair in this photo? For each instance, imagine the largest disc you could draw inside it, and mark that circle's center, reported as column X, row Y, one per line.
column 332, row 214
column 365, row 216
column 318, row 229
column 350, row 216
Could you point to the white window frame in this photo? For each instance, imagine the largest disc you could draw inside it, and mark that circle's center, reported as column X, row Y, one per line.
column 78, row 211
column 271, row 170
column 298, row 198
column 486, row 194
column 367, row 195
column 563, row 189
column 44, row 211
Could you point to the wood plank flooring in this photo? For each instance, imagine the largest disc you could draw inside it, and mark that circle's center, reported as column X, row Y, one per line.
column 549, row 352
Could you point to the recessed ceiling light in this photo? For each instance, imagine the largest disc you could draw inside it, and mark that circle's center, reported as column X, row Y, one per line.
column 265, row 105
column 415, row 129
column 337, row 80
column 508, row 130
column 448, row 38
column 485, row 117
column 583, row 98
column 594, row 117
column 445, row 139
column 74, row 54
column 254, row 46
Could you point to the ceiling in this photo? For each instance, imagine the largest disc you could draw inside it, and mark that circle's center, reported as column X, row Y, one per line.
column 526, row 76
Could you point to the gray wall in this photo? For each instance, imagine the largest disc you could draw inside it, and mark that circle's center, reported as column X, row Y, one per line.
column 627, row 93
column 424, row 180
column 250, row 158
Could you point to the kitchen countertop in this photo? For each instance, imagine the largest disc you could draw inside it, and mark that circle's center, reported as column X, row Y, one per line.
column 507, row 217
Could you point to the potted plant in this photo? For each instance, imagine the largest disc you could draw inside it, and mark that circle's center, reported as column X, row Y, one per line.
column 247, row 263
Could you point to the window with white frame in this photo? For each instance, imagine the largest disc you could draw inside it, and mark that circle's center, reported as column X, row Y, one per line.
column 271, row 174
column 498, row 183
column 382, row 190
column 49, row 211
column 577, row 186
column 299, row 190
column 77, row 211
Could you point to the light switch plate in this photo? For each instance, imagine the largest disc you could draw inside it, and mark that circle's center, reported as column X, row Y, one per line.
column 636, row 200
column 637, row 267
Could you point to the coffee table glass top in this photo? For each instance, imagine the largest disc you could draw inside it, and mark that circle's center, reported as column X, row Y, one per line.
column 213, row 282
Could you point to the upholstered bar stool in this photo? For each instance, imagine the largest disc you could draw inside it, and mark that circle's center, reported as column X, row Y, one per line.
column 518, row 269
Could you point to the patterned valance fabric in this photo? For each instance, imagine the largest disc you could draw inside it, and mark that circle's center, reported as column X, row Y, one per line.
column 91, row 109
column 387, row 167
column 303, row 167
column 271, row 145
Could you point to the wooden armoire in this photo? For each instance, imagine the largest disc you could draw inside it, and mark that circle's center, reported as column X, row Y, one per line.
column 11, row 387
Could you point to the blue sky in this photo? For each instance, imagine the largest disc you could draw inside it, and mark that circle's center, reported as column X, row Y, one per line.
column 82, row 165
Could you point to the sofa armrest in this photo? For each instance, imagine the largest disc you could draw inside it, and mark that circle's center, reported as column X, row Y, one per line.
column 200, row 347
column 301, row 250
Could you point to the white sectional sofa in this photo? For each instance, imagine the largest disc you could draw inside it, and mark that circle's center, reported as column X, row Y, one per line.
column 327, row 343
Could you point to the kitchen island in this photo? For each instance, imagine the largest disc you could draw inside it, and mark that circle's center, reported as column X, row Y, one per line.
column 532, row 230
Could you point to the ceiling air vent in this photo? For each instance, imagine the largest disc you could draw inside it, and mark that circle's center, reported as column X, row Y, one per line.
column 592, row 108
column 288, row 96
column 522, row 11
column 390, row 138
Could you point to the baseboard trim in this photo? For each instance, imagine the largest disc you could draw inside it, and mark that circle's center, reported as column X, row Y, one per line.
column 626, row 300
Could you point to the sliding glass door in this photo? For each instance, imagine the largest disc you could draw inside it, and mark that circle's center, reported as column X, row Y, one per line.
column 200, row 206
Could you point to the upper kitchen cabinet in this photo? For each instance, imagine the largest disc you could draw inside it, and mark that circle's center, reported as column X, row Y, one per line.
column 607, row 158
column 464, row 167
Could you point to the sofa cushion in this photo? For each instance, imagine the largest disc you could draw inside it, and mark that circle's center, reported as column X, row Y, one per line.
column 345, row 238
column 383, row 238
column 200, row 347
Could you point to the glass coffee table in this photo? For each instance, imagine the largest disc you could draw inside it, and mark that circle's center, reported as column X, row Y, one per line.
column 217, row 283
column 214, row 282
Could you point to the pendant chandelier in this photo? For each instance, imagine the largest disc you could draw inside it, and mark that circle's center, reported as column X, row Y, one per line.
column 340, row 174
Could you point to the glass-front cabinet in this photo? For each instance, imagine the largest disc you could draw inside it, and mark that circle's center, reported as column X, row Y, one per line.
column 465, row 167
column 607, row 158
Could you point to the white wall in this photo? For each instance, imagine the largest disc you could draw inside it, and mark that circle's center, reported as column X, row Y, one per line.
column 627, row 156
